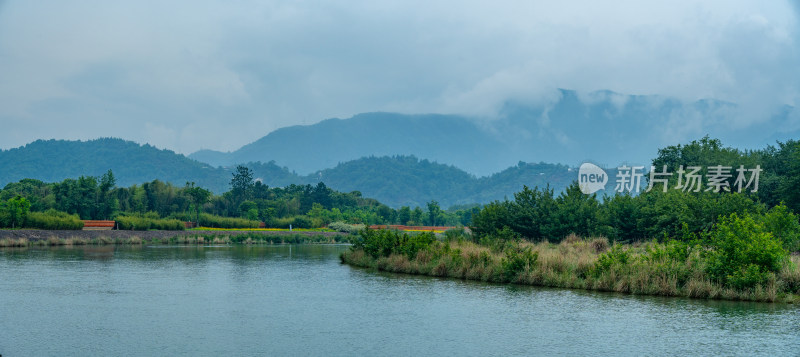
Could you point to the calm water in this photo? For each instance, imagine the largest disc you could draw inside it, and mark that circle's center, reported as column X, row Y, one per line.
column 298, row 300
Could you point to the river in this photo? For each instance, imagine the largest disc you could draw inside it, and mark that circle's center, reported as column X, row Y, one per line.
column 299, row 300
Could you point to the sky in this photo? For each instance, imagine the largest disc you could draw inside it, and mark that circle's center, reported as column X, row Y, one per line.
column 190, row 75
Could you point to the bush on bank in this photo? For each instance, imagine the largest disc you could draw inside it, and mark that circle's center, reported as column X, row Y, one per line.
column 741, row 257
column 147, row 221
column 52, row 219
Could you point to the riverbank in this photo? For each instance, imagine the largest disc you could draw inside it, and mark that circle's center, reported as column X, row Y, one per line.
column 645, row 269
column 35, row 237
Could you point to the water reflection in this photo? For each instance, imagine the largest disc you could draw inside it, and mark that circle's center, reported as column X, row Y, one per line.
column 299, row 300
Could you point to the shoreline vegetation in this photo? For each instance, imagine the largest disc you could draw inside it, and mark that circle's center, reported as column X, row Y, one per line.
column 32, row 238
column 673, row 268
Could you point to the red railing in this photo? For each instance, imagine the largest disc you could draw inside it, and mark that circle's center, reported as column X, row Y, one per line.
column 98, row 225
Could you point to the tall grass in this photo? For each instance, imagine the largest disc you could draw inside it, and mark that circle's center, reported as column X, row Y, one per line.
column 295, row 222
column 139, row 222
column 53, row 220
column 212, row 221
column 650, row 268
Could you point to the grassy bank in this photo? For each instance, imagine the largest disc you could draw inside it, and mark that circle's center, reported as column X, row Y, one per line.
column 671, row 269
column 246, row 238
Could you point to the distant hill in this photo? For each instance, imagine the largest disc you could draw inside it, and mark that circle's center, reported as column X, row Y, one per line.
column 306, row 149
column 393, row 180
column 55, row 160
column 603, row 126
column 408, row 181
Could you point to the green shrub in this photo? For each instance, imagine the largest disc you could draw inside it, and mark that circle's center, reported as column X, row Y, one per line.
column 384, row 242
column 617, row 256
column 743, row 253
column 52, row 219
column 518, row 260
column 411, row 244
column 671, row 250
column 213, row 221
column 457, row 235
column 346, row 228
column 302, row 222
column 147, row 221
column 783, row 225
column 295, row 222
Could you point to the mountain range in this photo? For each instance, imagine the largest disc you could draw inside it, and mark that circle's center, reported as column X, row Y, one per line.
column 394, row 180
column 570, row 128
column 403, row 159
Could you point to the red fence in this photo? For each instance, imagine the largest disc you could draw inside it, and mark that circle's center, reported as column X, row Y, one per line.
column 89, row 225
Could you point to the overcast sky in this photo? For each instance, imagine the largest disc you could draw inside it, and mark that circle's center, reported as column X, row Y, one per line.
column 186, row 75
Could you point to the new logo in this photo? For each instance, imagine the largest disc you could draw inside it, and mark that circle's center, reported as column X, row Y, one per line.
column 591, row 178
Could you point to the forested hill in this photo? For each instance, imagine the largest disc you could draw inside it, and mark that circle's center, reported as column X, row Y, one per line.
column 395, row 181
column 55, row 160
column 408, row 181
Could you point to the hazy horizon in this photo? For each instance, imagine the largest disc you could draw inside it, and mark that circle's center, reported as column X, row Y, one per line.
column 201, row 75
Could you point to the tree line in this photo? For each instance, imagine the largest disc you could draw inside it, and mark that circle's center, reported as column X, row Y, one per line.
column 161, row 205
column 540, row 214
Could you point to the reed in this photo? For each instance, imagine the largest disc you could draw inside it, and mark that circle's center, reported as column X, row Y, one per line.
column 592, row 264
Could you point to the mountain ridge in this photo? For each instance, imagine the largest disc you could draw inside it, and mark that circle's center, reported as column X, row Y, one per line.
column 601, row 126
column 396, row 180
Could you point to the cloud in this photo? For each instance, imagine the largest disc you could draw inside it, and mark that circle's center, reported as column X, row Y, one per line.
column 186, row 75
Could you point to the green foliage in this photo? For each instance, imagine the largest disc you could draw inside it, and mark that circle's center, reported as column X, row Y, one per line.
column 384, row 242
column 783, row 225
column 213, row 221
column 743, row 253
column 52, row 219
column 16, row 210
column 346, row 228
column 458, row 234
column 293, row 222
column 617, row 256
column 516, row 261
column 147, row 221
column 576, row 213
column 242, row 183
column 533, row 213
column 673, row 250
column 433, row 213
column 198, row 196
column 404, row 215
column 493, row 218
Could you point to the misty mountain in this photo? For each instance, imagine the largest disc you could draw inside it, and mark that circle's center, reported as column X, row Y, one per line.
column 443, row 138
column 603, row 127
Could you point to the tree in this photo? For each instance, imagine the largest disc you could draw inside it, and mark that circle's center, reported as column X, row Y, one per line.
column 106, row 205
column 404, row 215
column 18, row 208
column 789, row 187
column 576, row 213
column 198, row 196
column 242, row 183
column 249, row 210
column 107, row 181
column 533, row 213
column 433, row 212
column 416, row 216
